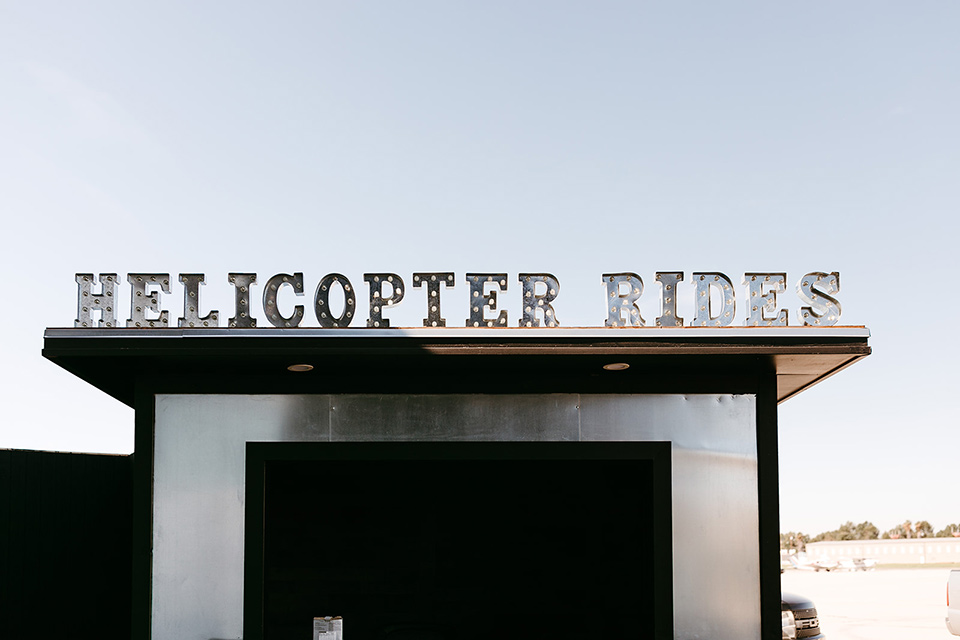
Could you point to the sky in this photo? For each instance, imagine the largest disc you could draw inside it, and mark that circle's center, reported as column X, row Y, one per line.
column 575, row 138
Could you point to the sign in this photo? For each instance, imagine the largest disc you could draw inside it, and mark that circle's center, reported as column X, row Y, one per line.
column 713, row 293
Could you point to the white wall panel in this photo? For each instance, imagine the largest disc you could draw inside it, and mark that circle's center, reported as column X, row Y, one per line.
column 199, row 486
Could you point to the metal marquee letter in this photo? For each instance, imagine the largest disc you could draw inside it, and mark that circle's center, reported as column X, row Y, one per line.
column 103, row 302
column 533, row 302
column 433, row 280
column 669, row 281
column 321, row 302
column 704, row 305
column 479, row 301
column 622, row 307
column 191, row 303
column 375, row 282
column 270, row 292
column 140, row 300
column 762, row 290
column 242, row 283
column 817, row 290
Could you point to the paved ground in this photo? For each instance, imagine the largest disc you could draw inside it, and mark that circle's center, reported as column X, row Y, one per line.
column 886, row 604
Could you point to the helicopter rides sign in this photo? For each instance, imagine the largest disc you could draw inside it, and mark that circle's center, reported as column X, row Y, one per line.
column 713, row 293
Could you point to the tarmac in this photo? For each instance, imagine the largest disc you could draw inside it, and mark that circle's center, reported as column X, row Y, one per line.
column 882, row 604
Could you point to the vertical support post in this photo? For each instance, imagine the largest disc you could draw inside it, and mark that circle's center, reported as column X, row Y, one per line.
column 253, row 524
column 768, row 499
column 142, row 565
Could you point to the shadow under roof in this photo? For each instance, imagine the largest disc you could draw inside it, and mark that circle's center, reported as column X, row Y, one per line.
column 488, row 360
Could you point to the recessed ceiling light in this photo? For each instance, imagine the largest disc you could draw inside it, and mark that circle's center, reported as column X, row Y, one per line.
column 300, row 367
column 616, row 366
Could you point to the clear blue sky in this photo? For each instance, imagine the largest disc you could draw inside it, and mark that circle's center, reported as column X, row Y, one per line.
column 571, row 137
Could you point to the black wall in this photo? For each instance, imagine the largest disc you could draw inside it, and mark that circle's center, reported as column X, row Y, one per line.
column 65, row 545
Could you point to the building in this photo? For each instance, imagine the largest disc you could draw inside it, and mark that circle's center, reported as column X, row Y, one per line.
column 898, row 551
column 532, row 480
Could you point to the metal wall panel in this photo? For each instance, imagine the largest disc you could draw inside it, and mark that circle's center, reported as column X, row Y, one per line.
column 716, row 571
column 199, row 485
column 199, row 445
column 454, row 417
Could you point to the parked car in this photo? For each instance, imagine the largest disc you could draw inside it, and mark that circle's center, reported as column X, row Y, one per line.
column 799, row 618
column 953, row 602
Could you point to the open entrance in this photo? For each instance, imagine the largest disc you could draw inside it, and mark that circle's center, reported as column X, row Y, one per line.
column 467, row 540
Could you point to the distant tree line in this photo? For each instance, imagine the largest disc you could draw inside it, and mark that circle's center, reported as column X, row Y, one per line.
column 868, row 531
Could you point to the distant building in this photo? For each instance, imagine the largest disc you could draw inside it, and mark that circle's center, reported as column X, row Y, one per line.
column 899, row 551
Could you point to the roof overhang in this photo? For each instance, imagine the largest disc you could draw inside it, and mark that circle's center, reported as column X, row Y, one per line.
column 112, row 359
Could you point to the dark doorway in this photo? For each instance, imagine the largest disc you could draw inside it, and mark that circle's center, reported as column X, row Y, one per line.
column 463, row 540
